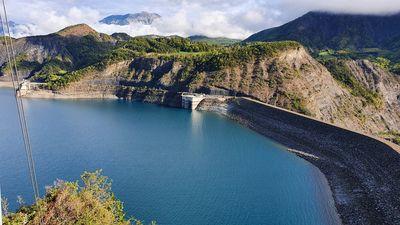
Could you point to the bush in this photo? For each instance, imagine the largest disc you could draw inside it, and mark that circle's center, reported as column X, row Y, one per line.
column 382, row 63
column 69, row 203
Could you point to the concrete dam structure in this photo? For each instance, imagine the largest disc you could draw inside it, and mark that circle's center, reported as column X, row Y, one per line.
column 191, row 100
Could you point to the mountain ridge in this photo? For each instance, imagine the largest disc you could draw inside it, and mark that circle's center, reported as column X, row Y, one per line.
column 143, row 17
column 319, row 30
column 63, row 62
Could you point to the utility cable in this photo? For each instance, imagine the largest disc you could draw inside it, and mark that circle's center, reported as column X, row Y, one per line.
column 12, row 63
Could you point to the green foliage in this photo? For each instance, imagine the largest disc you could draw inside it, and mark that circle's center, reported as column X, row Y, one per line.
column 214, row 41
column 395, row 68
column 342, row 74
column 387, row 60
column 200, row 57
column 69, row 203
column 327, row 52
column 22, row 63
column 58, row 81
column 164, row 45
column 298, row 104
column 51, row 69
column 382, row 63
column 218, row 59
column 87, row 50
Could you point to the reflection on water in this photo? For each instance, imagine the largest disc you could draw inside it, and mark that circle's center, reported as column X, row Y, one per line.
column 196, row 122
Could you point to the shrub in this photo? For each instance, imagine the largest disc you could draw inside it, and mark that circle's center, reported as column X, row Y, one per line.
column 69, row 203
column 382, row 63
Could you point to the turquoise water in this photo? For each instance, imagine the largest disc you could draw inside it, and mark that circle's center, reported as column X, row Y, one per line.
column 170, row 165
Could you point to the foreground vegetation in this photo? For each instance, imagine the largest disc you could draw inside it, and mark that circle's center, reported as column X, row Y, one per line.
column 70, row 203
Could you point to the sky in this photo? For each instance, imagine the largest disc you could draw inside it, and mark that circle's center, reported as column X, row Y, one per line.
column 214, row 18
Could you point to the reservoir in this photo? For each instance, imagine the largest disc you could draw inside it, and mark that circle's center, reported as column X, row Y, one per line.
column 174, row 166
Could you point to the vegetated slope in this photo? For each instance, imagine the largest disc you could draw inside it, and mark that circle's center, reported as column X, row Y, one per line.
column 71, row 48
column 286, row 76
column 92, row 203
column 216, row 41
column 356, row 94
column 320, row 30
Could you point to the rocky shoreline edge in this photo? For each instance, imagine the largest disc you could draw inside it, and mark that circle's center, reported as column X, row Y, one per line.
column 363, row 172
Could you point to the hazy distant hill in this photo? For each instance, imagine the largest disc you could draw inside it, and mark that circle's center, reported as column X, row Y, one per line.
column 319, row 30
column 217, row 41
column 145, row 18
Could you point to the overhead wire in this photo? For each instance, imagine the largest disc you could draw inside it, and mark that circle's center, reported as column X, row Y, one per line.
column 15, row 78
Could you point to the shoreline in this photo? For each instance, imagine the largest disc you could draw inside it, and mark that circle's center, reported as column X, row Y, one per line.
column 358, row 183
column 6, row 84
column 362, row 171
column 44, row 94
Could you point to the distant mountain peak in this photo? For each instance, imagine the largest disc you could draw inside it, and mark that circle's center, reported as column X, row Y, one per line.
column 143, row 17
column 78, row 30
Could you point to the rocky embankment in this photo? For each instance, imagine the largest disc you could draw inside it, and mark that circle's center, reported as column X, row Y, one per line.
column 293, row 80
column 363, row 173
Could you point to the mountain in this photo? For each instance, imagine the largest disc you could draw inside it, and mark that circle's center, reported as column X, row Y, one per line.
column 71, row 48
column 145, row 18
column 216, row 41
column 354, row 93
column 121, row 36
column 78, row 30
column 321, row 30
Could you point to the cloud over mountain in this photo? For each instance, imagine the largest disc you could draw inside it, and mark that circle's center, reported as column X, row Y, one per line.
column 234, row 18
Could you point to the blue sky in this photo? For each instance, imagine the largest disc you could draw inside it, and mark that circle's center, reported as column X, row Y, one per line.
column 233, row 18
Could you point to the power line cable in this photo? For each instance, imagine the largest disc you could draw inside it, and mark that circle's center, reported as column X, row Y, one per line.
column 12, row 63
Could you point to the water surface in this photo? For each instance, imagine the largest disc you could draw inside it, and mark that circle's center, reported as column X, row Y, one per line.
column 170, row 165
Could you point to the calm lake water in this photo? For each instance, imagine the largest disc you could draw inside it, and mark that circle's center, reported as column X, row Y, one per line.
column 170, row 165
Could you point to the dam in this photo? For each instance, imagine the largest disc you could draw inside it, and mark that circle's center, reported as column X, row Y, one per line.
column 191, row 100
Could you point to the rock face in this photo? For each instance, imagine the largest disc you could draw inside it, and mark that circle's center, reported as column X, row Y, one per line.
column 145, row 18
column 292, row 80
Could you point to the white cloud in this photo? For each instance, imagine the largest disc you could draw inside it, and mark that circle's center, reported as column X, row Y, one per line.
column 346, row 6
column 233, row 18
